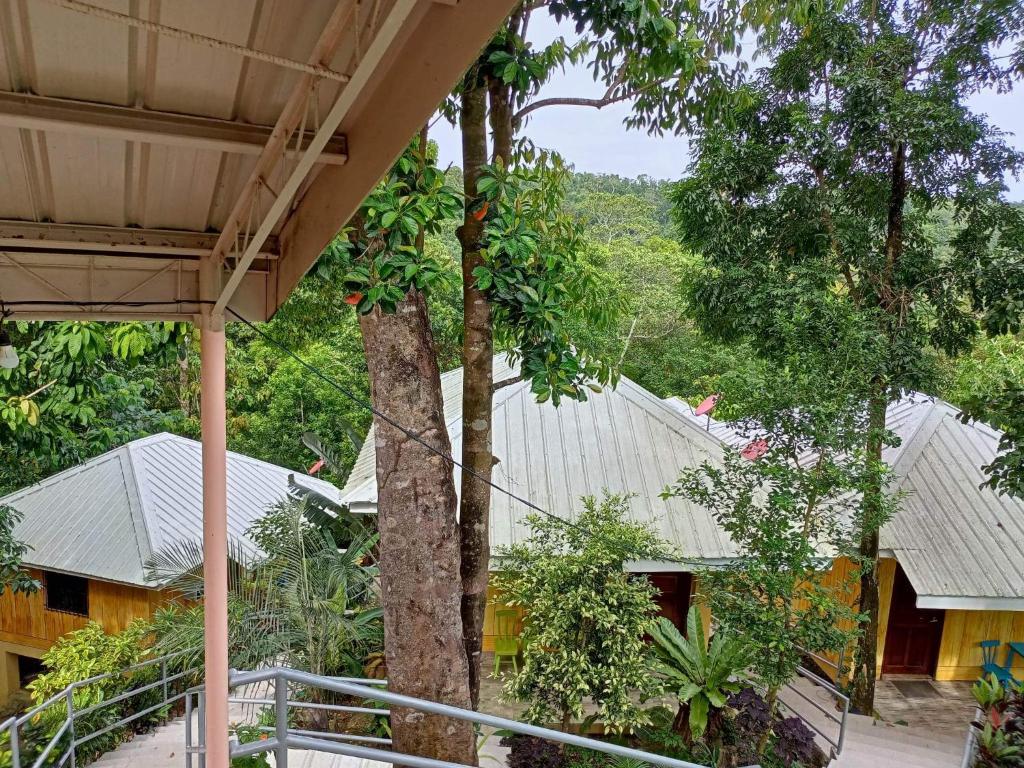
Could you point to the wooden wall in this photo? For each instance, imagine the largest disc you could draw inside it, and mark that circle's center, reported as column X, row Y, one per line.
column 24, row 620
column 959, row 654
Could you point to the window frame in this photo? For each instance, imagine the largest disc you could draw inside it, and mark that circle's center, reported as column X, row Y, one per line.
column 70, row 579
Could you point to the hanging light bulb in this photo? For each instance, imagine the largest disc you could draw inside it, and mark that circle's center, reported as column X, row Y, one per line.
column 8, row 354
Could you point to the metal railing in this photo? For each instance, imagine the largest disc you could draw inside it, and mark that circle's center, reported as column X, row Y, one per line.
column 285, row 737
column 838, row 714
column 67, row 731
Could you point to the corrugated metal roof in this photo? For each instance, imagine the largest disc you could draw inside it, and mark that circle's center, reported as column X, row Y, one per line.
column 960, row 544
column 624, row 440
column 104, row 518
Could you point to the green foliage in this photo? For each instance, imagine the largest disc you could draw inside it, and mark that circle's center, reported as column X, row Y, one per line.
column 789, row 513
column 247, row 734
column 534, row 277
column 671, row 59
column 303, row 601
column 80, row 655
column 13, row 575
column 587, row 617
column 701, row 675
column 383, row 255
column 1000, row 732
column 74, row 394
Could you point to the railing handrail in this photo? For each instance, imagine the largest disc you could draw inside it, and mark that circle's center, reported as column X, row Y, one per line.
column 66, row 694
column 285, row 736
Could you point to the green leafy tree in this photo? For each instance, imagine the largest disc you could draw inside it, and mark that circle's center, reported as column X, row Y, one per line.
column 702, row 674
column 389, row 271
column 13, row 575
column 584, row 637
column 826, row 182
column 666, row 58
column 790, row 507
column 80, row 388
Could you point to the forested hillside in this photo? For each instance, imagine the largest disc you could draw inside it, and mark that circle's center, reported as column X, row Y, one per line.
column 131, row 380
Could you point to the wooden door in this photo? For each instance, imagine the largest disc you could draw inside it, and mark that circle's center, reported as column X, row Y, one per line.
column 673, row 596
column 913, row 635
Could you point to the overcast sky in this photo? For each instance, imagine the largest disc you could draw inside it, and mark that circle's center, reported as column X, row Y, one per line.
column 597, row 141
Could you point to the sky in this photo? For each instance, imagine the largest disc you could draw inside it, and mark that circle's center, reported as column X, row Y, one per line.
column 596, row 141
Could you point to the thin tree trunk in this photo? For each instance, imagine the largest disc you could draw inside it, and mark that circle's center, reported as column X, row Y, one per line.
column 865, row 672
column 477, row 374
column 872, row 506
column 419, row 542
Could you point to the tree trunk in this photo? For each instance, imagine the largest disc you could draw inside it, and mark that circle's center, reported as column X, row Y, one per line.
column 872, row 507
column 771, row 699
column 865, row 671
column 419, row 545
column 477, row 375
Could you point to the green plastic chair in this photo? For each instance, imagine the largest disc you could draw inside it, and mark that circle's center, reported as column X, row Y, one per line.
column 506, row 641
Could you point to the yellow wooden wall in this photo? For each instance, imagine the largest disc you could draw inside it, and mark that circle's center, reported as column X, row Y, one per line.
column 24, row 620
column 959, row 654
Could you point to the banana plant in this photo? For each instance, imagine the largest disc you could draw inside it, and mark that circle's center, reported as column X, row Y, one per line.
column 702, row 674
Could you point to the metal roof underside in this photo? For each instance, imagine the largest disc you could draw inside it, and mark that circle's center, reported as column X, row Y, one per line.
column 624, row 441
column 105, row 518
column 140, row 137
column 960, row 544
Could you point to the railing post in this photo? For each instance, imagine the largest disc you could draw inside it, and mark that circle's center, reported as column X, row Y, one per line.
column 188, row 730
column 15, row 746
column 202, row 729
column 163, row 674
column 281, row 722
column 71, row 720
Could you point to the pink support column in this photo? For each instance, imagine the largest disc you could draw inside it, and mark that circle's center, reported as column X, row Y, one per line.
column 215, row 538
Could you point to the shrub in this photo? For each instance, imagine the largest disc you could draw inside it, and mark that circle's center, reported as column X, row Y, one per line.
column 794, row 743
column 1000, row 733
column 587, row 616
column 752, row 717
column 78, row 655
column 532, row 752
column 701, row 676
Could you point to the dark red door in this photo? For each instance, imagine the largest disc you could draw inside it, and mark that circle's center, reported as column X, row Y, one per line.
column 673, row 596
column 913, row 635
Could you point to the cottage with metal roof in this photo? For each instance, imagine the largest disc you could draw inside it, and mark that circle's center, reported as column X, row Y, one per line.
column 92, row 528
column 952, row 568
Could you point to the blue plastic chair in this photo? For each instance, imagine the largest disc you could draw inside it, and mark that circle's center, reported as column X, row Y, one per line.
column 989, row 665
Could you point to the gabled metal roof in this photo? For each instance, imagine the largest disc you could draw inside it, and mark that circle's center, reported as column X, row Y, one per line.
column 624, row 440
column 104, row 518
column 960, row 544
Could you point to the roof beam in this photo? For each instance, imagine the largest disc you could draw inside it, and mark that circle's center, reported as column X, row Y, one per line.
column 421, row 69
column 369, row 65
column 45, row 113
column 292, row 117
column 42, row 236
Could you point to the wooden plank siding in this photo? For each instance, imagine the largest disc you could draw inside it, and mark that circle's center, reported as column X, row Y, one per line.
column 25, row 620
column 959, row 654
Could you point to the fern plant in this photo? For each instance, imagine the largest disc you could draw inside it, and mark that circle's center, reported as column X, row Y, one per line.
column 702, row 674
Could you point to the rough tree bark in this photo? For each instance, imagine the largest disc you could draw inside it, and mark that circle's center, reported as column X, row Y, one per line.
column 419, row 537
column 477, row 372
column 891, row 301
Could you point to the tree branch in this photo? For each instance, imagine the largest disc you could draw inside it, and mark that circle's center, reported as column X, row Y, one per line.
column 505, row 383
